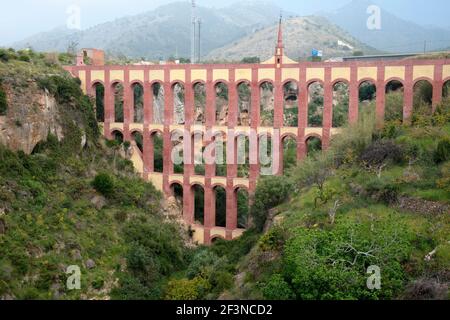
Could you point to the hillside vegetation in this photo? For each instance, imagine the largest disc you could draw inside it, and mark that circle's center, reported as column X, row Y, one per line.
column 378, row 198
column 75, row 201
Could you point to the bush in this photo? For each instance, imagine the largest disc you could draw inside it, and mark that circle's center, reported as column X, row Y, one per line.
column 331, row 265
column 3, row 102
column 442, row 153
column 382, row 190
column 104, row 184
column 278, row 289
column 187, row 289
column 270, row 192
column 381, row 152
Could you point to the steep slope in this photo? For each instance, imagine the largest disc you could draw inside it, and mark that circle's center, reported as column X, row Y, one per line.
column 301, row 35
column 74, row 201
column 395, row 35
column 163, row 32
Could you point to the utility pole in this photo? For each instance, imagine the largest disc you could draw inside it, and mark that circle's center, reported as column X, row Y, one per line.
column 425, row 47
column 199, row 40
column 193, row 31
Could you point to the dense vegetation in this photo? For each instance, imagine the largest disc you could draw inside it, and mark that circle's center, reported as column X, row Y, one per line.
column 378, row 197
column 70, row 203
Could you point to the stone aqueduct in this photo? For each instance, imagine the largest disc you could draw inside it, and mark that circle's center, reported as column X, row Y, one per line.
column 278, row 71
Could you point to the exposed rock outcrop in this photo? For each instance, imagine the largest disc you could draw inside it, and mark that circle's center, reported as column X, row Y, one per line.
column 26, row 125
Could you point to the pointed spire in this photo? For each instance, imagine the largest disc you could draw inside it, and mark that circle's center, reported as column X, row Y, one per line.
column 279, row 50
column 280, row 32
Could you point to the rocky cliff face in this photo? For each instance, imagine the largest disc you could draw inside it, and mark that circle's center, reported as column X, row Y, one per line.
column 32, row 114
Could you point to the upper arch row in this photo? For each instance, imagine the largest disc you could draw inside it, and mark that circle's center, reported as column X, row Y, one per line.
column 260, row 75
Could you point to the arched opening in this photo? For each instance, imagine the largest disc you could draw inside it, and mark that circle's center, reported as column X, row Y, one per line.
column 315, row 105
column 199, row 204
column 244, row 104
column 242, row 156
column 178, row 150
column 221, row 104
column 313, row 145
column 220, row 155
column 99, row 90
column 394, row 101
column 197, row 151
column 289, row 152
column 158, row 103
column 367, row 96
column 216, row 239
column 199, row 103
column 290, row 114
column 178, row 103
column 340, row 104
column 266, row 154
column 158, row 163
column 243, row 207
column 446, row 90
column 267, row 104
column 117, row 89
column 220, row 197
column 177, row 192
column 139, row 140
column 138, row 103
column 422, row 99
column 117, row 136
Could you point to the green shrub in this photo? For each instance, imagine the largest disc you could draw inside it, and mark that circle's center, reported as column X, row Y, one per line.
column 270, row 192
column 104, row 184
column 331, row 265
column 381, row 152
column 382, row 190
column 3, row 102
column 185, row 289
column 277, row 289
column 442, row 153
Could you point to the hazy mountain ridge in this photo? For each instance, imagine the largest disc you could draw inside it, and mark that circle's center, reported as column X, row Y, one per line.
column 163, row 32
column 395, row 35
column 301, row 35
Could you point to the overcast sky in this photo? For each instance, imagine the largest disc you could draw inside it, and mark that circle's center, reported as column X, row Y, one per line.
column 22, row 18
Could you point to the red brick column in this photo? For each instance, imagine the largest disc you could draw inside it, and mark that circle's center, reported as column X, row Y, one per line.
column 109, row 105
column 408, row 94
column 148, row 102
column 127, row 107
column 188, row 105
column 381, row 96
column 232, row 101
column 231, row 223
column 210, row 108
column 89, row 89
column 328, row 110
column 209, row 211
column 353, row 96
column 254, row 87
column 302, row 114
column 438, row 84
column 148, row 153
column 279, row 103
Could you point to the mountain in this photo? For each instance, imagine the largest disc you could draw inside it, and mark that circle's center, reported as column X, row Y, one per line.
column 162, row 32
column 395, row 35
column 301, row 35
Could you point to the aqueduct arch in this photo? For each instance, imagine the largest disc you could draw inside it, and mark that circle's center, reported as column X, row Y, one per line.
column 300, row 99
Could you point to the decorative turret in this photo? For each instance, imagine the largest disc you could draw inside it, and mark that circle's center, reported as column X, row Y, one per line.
column 279, row 51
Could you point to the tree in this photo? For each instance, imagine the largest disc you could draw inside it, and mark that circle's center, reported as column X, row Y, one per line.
column 251, row 60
